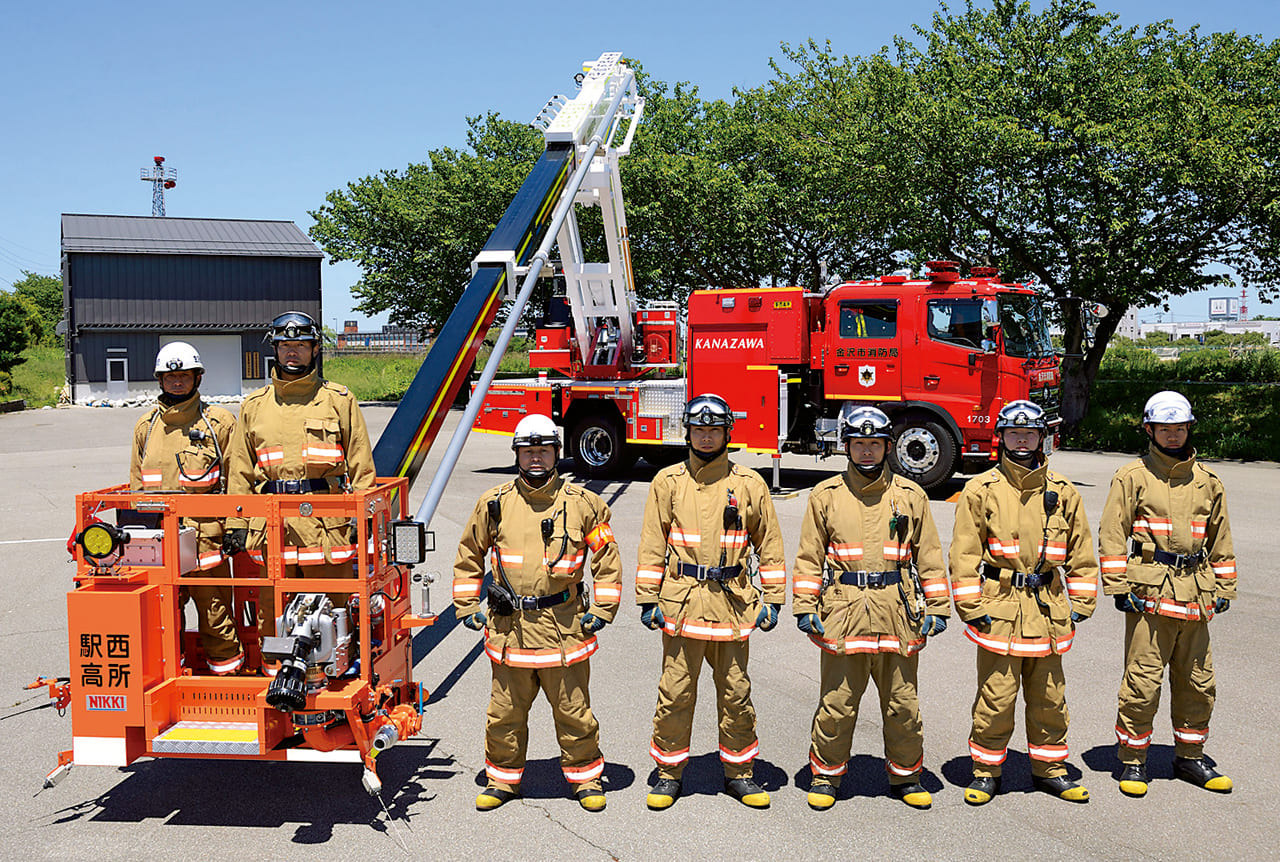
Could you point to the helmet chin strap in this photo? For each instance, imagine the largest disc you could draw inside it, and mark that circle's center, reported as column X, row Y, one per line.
column 170, row 400
column 1028, row 458
column 868, row 469
column 538, row 477
column 300, row 369
column 1181, row 453
column 710, row 456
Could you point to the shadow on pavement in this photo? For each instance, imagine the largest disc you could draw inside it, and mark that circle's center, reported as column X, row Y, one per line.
column 704, row 776
column 1016, row 774
column 266, row 794
column 543, row 779
column 865, row 777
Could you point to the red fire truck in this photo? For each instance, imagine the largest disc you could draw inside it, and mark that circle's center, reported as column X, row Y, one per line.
column 939, row 354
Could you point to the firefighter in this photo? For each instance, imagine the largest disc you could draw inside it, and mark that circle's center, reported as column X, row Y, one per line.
column 693, row 582
column 542, row 622
column 855, row 595
column 1023, row 574
column 299, row 435
column 179, row 446
column 1167, row 558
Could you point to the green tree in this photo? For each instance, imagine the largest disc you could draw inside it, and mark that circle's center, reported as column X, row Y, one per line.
column 41, row 296
column 14, row 337
column 414, row 232
column 1109, row 164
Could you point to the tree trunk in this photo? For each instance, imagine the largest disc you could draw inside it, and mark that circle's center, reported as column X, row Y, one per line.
column 1080, row 366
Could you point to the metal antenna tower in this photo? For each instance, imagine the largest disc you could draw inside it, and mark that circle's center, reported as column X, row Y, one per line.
column 161, row 178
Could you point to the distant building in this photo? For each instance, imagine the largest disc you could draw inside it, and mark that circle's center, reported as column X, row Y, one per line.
column 393, row 339
column 1176, row 331
column 132, row 284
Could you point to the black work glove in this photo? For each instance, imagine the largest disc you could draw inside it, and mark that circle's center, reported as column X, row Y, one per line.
column 651, row 616
column 810, row 624
column 234, row 541
column 591, row 623
column 475, row 621
column 933, row 625
column 768, row 617
column 1221, row 606
column 1129, row 603
column 983, row 622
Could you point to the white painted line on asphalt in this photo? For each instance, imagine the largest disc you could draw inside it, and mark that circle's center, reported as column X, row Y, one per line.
column 27, row 541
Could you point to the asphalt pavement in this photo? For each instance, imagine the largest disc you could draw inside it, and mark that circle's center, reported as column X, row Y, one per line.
column 192, row 809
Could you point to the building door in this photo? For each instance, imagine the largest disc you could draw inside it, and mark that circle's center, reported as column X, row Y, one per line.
column 117, row 377
column 221, row 357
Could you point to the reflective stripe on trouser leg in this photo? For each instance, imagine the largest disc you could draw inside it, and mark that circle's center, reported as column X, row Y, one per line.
column 1044, row 691
column 1151, row 643
column 843, row 679
column 895, row 678
column 1192, row 689
column 567, row 690
column 738, row 743
column 677, row 696
column 998, row 680
column 506, row 730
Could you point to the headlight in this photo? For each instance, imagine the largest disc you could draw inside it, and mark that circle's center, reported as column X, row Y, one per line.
column 102, row 541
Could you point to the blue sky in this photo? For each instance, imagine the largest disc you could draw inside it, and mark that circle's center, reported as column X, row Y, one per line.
column 264, row 107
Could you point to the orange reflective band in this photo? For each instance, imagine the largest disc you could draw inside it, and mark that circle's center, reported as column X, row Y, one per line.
column 598, row 538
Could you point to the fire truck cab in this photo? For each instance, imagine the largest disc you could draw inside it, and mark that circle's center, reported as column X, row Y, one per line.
column 940, row 355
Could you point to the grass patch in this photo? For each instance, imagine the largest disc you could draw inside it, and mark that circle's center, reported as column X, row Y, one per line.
column 1232, row 421
column 39, row 380
column 387, row 376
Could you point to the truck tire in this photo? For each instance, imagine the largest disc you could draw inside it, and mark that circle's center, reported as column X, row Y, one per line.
column 599, row 447
column 923, row 451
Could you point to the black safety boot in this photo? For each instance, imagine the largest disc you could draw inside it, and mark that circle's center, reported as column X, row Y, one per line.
column 1061, row 787
column 913, row 794
column 1133, row 779
column 1201, row 774
column 747, row 792
column 981, row 790
column 663, row 794
column 822, row 794
column 493, row 797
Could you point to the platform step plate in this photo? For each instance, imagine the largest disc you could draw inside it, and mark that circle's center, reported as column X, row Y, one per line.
column 208, row 737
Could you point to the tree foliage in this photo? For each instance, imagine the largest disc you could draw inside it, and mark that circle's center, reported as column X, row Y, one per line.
column 1114, row 165
column 1107, row 164
column 14, row 337
column 413, row 232
column 41, row 299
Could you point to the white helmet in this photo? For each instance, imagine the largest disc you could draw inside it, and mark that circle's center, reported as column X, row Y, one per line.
column 178, row 356
column 536, row 430
column 1167, row 408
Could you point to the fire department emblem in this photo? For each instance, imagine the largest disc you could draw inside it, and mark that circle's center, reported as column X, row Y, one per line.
column 866, row 375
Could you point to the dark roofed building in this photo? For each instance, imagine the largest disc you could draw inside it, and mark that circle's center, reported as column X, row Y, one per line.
column 132, row 284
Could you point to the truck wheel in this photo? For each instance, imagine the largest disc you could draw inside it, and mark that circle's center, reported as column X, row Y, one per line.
column 599, row 448
column 923, row 451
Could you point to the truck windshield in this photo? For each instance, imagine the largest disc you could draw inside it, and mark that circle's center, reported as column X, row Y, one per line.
column 1023, row 324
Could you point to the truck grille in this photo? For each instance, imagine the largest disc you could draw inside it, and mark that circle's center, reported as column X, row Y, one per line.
column 1050, row 399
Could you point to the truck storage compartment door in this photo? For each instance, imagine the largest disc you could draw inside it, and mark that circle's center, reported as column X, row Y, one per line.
column 957, row 373
column 862, row 361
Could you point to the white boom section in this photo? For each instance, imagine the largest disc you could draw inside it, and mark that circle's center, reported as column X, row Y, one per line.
column 599, row 122
column 601, row 295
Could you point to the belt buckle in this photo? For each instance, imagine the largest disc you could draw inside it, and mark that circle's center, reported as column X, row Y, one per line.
column 292, row 486
column 527, row 603
column 703, row 573
column 861, row 577
column 1018, row 579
